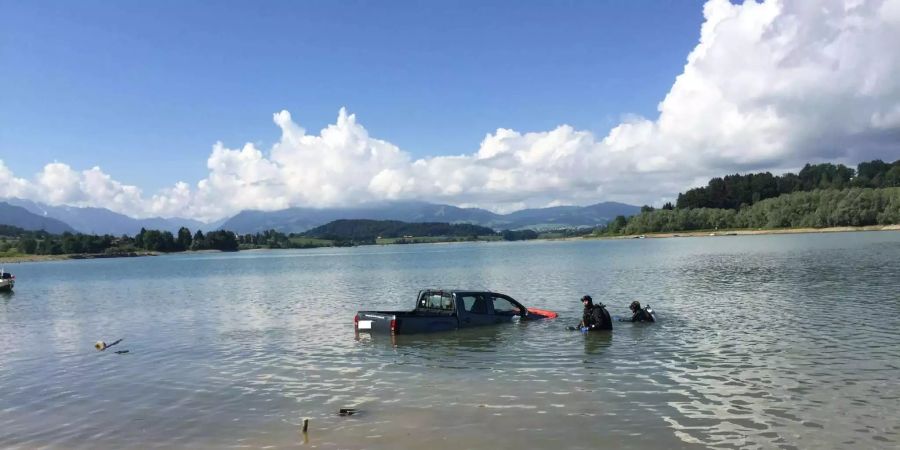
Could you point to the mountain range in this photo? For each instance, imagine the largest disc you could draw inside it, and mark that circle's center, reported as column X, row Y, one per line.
column 57, row 219
column 101, row 220
column 296, row 220
column 22, row 218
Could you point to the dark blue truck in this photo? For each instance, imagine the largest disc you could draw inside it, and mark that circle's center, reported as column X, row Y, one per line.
column 442, row 310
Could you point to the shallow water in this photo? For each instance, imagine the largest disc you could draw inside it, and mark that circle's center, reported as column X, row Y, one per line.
column 789, row 341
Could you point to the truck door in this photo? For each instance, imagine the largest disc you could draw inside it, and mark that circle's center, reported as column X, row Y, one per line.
column 476, row 309
column 505, row 308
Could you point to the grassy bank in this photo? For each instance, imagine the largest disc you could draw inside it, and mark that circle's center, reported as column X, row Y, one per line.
column 15, row 257
column 750, row 232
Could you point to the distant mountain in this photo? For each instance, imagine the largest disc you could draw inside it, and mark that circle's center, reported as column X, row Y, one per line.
column 104, row 221
column 296, row 220
column 20, row 217
column 568, row 216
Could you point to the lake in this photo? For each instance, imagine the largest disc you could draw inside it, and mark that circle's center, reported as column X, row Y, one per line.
column 778, row 341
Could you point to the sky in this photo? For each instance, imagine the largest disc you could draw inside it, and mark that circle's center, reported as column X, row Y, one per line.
column 204, row 109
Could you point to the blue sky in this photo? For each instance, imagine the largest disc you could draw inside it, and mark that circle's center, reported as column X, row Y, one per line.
column 143, row 89
column 145, row 107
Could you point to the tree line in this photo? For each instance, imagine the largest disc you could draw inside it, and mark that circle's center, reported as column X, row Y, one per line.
column 815, row 209
column 737, row 191
column 273, row 239
column 43, row 243
column 338, row 233
column 165, row 241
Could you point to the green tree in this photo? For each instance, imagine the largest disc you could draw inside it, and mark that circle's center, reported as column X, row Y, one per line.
column 139, row 238
column 27, row 245
column 183, row 242
column 71, row 244
column 199, row 241
column 617, row 225
column 892, row 176
column 152, row 240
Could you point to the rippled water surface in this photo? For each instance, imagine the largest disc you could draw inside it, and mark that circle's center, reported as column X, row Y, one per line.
column 763, row 341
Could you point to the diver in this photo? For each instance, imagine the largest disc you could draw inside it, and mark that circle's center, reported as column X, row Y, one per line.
column 639, row 314
column 595, row 317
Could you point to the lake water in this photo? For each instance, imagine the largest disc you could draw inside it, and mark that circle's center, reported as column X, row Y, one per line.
column 787, row 341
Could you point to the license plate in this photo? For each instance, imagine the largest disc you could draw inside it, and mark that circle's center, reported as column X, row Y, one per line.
column 365, row 324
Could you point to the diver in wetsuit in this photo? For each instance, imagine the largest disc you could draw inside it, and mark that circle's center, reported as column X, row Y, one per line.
column 595, row 317
column 639, row 314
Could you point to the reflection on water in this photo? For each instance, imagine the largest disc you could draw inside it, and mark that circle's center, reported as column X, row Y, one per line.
column 763, row 341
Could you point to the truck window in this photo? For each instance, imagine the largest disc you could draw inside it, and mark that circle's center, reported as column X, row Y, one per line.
column 475, row 304
column 436, row 300
column 505, row 307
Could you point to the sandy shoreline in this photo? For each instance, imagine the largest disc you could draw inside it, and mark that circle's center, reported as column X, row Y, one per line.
column 42, row 258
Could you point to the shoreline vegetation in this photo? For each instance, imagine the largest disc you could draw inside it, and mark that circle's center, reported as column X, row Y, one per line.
column 820, row 196
column 752, row 232
column 20, row 258
column 18, row 245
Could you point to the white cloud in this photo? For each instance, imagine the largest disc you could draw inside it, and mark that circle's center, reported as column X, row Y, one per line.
column 98, row 188
column 58, row 183
column 10, row 186
column 770, row 85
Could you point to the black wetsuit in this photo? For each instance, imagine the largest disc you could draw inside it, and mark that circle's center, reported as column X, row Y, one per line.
column 595, row 317
column 642, row 316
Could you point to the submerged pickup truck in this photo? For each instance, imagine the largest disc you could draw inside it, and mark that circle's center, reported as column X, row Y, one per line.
column 439, row 310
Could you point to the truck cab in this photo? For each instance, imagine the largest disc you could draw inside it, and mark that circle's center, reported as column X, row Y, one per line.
column 441, row 310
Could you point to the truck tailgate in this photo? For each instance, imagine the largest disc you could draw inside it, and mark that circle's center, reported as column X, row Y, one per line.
column 403, row 322
column 378, row 321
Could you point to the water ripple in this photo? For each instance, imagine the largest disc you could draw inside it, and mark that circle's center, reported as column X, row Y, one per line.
column 763, row 342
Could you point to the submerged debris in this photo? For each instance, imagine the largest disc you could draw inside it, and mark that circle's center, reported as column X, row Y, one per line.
column 347, row 411
column 100, row 345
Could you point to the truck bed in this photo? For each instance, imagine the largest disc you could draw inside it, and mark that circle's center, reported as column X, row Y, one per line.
column 415, row 321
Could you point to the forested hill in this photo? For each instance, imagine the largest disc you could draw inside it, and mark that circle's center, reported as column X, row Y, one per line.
column 821, row 195
column 814, row 209
column 369, row 230
column 736, row 191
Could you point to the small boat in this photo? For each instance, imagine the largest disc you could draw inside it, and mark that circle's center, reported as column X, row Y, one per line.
column 7, row 281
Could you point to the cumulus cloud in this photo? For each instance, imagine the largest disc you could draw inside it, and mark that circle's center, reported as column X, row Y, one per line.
column 58, row 184
column 769, row 86
column 12, row 186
